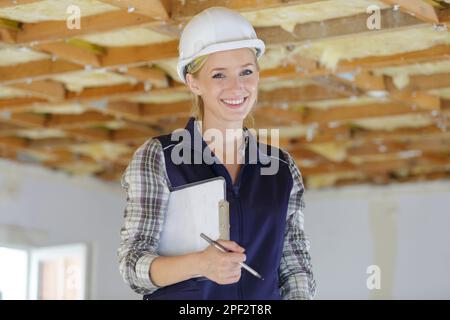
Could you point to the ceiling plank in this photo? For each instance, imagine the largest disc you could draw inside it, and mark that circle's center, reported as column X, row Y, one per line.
column 417, row 99
column 155, row 76
column 11, row 3
column 438, row 52
column 344, row 113
column 133, row 54
column 142, row 111
column 15, row 103
column 421, row 9
column 297, row 95
column 336, row 27
column 56, row 30
column 35, row 69
column 69, row 52
column 182, row 10
column 51, row 90
column 156, row 9
column 62, row 121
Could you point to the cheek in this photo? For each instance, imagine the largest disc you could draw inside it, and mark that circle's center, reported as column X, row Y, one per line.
column 252, row 85
column 214, row 90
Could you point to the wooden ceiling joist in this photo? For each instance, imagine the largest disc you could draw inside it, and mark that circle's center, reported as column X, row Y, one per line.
column 13, row 3
column 421, row 9
column 57, row 30
column 156, row 9
column 297, row 95
column 51, row 90
column 33, row 70
column 60, row 120
column 337, row 27
column 182, row 10
column 70, row 52
column 136, row 111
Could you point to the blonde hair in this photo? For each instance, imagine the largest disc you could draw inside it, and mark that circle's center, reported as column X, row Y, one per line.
column 198, row 106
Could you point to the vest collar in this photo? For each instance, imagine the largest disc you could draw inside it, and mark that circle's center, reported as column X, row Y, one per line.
column 252, row 145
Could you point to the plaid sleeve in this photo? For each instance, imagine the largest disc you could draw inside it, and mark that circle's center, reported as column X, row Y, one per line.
column 296, row 276
column 147, row 186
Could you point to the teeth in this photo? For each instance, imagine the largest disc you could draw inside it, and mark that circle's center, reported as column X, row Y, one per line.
column 234, row 101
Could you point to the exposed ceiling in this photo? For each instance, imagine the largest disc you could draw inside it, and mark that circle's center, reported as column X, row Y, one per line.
column 354, row 104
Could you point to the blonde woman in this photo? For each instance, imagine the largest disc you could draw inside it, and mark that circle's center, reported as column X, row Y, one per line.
column 219, row 53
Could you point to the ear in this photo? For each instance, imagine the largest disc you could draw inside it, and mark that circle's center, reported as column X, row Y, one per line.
column 193, row 84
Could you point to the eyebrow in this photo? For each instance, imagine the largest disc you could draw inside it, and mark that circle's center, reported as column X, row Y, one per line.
column 219, row 69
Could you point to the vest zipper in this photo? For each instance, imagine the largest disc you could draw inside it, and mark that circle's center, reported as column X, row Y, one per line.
column 239, row 209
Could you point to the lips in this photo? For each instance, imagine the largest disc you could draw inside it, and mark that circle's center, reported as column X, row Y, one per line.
column 234, row 103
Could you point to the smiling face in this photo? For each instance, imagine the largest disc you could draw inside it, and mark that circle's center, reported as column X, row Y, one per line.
column 228, row 85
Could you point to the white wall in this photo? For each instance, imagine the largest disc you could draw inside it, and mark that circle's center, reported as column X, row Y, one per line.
column 401, row 228
column 58, row 209
column 404, row 229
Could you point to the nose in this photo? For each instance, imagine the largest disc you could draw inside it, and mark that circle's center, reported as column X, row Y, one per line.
column 236, row 83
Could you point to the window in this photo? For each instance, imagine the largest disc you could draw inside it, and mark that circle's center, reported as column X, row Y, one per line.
column 13, row 273
column 45, row 273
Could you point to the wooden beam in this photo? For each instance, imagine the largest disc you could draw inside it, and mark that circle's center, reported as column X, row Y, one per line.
column 62, row 121
column 92, row 134
column 114, row 91
column 438, row 52
column 70, row 52
column 8, row 36
column 421, row 9
column 421, row 82
column 35, row 69
column 433, row 174
column 355, row 24
column 417, row 99
column 339, row 85
column 345, row 132
column 48, row 89
column 182, row 10
column 155, row 76
column 14, row 142
column 369, row 167
column 156, row 9
column 366, row 80
column 16, row 103
column 133, row 54
column 141, row 111
column 57, row 30
column 297, row 95
column 346, row 113
column 11, row 3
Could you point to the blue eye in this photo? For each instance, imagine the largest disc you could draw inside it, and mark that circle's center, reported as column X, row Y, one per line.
column 247, row 72
column 218, row 76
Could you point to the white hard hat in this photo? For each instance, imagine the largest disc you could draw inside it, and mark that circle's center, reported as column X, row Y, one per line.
column 215, row 29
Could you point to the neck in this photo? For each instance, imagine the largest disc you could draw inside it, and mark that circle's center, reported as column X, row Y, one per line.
column 231, row 136
column 233, row 128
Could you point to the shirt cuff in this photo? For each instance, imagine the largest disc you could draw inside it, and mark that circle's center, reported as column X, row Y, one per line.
column 297, row 288
column 143, row 271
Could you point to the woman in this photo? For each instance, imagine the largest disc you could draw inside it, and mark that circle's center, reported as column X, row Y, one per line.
column 218, row 61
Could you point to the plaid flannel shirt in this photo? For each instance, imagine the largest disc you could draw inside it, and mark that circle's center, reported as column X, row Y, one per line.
column 147, row 186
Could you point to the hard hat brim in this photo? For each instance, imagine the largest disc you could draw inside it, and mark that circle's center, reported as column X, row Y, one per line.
column 224, row 46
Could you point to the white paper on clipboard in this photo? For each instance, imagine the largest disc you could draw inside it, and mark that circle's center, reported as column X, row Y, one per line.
column 194, row 208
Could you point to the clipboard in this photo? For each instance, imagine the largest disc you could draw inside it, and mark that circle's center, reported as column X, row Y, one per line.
column 195, row 208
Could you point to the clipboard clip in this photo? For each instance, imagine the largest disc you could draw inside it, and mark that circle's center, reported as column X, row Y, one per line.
column 224, row 219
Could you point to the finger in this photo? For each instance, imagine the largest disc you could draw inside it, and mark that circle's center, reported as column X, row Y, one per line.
column 237, row 257
column 231, row 245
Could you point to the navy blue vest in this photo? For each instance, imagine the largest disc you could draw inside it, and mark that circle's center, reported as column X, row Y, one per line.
column 258, row 207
